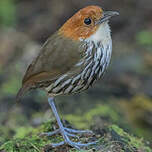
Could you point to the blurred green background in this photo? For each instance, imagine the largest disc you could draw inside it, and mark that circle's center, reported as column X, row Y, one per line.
column 123, row 96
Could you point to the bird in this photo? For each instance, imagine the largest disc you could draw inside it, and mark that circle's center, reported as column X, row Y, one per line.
column 70, row 61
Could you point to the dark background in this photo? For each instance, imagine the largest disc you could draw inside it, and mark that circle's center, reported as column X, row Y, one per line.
column 126, row 87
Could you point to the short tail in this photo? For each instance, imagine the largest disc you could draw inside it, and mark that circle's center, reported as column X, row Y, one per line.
column 22, row 92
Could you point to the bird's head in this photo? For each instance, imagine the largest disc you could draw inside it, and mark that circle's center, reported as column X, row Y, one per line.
column 86, row 22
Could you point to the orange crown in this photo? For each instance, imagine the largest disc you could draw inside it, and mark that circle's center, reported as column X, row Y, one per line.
column 82, row 24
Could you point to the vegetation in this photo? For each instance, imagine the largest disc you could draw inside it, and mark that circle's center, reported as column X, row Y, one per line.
column 110, row 138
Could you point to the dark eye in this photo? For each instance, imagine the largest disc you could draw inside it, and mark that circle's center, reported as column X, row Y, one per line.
column 87, row 21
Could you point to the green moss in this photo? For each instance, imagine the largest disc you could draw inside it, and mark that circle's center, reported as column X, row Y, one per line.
column 29, row 139
column 22, row 132
column 133, row 142
column 103, row 110
column 110, row 137
column 30, row 144
column 114, row 139
column 118, row 130
column 83, row 120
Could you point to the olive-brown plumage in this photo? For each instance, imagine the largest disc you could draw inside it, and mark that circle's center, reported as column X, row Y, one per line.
column 71, row 60
column 57, row 57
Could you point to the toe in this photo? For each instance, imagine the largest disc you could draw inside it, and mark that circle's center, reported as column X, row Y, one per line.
column 72, row 135
column 50, row 133
column 57, row 144
column 78, row 131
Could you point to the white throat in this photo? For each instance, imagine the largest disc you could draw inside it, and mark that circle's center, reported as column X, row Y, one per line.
column 103, row 34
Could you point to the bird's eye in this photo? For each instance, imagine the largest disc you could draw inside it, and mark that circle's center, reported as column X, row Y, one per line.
column 87, row 21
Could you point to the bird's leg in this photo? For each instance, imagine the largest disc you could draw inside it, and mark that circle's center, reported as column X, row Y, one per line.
column 65, row 132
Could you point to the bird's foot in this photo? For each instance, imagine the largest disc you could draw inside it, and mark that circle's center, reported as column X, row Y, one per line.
column 67, row 133
column 71, row 132
column 77, row 145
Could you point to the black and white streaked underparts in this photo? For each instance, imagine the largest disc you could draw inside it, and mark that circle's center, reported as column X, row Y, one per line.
column 94, row 63
column 98, row 49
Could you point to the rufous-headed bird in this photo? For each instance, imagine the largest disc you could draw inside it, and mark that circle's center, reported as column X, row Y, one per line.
column 70, row 61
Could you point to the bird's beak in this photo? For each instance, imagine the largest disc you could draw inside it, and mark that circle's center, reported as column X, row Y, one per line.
column 106, row 16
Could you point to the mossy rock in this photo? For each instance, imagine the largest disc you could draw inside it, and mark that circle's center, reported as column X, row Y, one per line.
column 110, row 139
